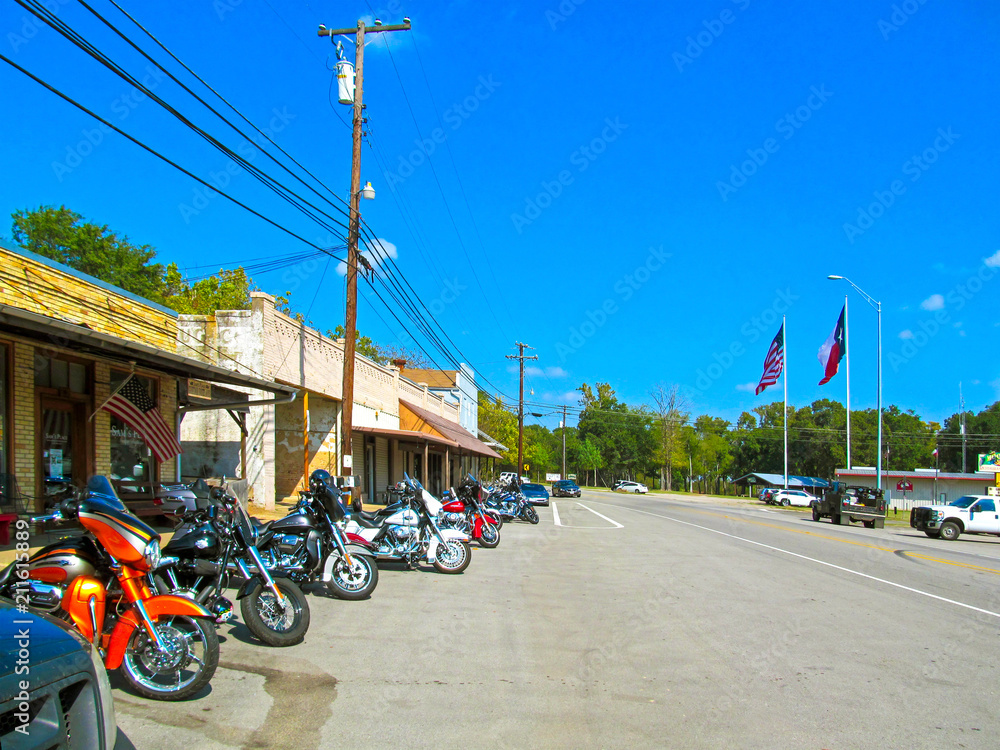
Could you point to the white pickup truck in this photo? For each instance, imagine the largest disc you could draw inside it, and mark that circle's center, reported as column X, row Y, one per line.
column 970, row 514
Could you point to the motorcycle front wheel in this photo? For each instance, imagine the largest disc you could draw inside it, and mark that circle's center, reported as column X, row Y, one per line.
column 490, row 536
column 529, row 514
column 187, row 665
column 271, row 622
column 453, row 557
column 356, row 581
column 495, row 515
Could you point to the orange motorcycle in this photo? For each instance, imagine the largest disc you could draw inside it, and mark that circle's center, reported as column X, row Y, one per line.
column 165, row 646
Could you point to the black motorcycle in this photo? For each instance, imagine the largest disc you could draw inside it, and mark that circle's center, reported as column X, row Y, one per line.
column 308, row 545
column 510, row 503
column 216, row 540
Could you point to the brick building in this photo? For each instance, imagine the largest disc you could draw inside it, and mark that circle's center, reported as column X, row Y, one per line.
column 67, row 340
column 286, row 442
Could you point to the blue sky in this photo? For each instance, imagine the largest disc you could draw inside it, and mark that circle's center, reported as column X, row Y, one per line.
column 637, row 194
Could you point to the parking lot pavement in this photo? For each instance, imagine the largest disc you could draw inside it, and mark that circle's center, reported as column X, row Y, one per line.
column 662, row 624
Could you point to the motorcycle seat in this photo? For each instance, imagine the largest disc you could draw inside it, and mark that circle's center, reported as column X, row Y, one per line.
column 260, row 526
column 364, row 520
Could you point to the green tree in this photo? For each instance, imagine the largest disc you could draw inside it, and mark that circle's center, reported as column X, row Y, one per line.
column 500, row 424
column 670, row 410
column 63, row 235
column 590, row 458
column 982, row 436
column 229, row 290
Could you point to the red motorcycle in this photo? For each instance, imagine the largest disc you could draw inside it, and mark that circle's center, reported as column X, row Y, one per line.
column 166, row 646
column 463, row 511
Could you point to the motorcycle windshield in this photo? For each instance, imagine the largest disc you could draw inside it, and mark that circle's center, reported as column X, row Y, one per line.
column 100, row 489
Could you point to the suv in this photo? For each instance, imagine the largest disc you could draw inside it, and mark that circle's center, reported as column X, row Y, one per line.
column 636, row 487
column 792, row 497
column 971, row 514
column 565, row 488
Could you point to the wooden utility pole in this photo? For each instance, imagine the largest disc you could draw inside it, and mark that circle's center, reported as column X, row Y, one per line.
column 351, row 312
column 564, row 443
column 520, row 405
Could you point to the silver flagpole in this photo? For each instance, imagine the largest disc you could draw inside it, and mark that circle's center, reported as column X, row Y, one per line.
column 848, row 354
column 784, row 344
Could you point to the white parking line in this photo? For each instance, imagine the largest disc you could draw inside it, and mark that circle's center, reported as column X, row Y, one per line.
column 814, row 560
column 557, row 521
column 618, row 525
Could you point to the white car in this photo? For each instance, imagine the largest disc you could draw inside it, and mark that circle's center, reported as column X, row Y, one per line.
column 636, row 487
column 792, row 497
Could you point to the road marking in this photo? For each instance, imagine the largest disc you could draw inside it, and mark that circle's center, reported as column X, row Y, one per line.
column 618, row 525
column 820, row 562
column 557, row 521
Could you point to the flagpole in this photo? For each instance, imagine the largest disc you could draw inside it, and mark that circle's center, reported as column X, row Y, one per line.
column 784, row 339
column 113, row 393
column 847, row 346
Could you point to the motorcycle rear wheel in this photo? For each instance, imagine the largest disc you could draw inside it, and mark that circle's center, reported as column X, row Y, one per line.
column 453, row 557
column 266, row 619
column 188, row 665
column 353, row 582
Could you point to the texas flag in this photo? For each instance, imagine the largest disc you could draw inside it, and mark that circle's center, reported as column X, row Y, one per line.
column 834, row 349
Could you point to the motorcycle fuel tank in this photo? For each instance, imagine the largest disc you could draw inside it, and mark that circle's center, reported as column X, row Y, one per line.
column 64, row 560
column 455, row 506
column 194, row 541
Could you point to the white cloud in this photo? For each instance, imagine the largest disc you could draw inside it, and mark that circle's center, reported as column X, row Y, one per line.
column 906, row 334
column 570, row 398
column 961, row 333
column 994, row 260
column 748, row 387
column 934, row 302
column 376, row 254
column 547, row 372
column 976, row 382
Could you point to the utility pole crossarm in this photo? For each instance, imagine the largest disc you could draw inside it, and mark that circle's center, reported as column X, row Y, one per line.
column 405, row 26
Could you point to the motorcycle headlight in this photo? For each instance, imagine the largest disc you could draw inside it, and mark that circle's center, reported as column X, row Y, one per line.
column 152, row 554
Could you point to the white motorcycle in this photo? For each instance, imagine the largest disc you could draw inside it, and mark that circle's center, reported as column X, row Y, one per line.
column 408, row 530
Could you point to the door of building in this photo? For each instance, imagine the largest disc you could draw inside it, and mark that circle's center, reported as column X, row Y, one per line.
column 62, row 443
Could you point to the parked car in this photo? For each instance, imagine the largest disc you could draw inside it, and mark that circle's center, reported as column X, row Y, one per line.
column 970, row 514
column 793, row 497
column 536, row 494
column 68, row 685
column 767, row 494
column 565, row 488
column 637, row 487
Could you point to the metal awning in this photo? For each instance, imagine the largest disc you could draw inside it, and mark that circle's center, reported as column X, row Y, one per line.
column 451, row 430
column 407, row 435
column 83, row 339
column 779, row 479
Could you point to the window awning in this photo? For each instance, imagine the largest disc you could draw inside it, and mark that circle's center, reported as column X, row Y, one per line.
column 80, row 338
column 422, row 437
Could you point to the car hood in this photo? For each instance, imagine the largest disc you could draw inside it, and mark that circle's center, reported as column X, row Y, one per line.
column 47, row 637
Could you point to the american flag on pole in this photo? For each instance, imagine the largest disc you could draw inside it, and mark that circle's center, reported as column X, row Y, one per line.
column 132, row 405
column 774, row 362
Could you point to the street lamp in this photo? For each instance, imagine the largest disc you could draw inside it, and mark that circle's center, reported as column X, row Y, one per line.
column 878, row 398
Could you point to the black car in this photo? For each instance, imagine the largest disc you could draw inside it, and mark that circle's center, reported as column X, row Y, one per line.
column 53, row 680
column 565, row 488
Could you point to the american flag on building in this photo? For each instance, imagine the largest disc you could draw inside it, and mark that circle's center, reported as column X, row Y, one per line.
column 774, row 362
column 132, row 405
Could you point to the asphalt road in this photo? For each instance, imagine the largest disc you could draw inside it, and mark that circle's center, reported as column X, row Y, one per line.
column 630, row 621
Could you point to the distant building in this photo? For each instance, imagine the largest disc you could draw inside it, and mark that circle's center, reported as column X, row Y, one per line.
column 950, row 485
column 457, row 387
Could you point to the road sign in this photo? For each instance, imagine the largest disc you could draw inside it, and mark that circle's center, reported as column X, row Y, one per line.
column 904, row 485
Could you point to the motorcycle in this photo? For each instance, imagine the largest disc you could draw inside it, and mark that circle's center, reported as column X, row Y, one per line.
column 510, row 503
column 408, row 530
column 165, row 647
column 219, row 539
column 464, row 512
column 308, row 545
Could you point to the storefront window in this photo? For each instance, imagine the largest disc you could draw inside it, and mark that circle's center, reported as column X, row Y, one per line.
column 57, row 373
column 4, row 427
column 131, row 459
